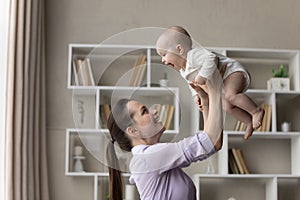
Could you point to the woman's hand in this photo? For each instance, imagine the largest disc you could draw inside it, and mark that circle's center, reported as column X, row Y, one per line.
column 201, row 98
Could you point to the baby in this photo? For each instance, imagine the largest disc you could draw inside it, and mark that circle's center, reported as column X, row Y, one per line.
column 196, row 64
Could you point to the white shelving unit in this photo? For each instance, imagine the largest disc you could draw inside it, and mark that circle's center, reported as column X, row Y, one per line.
column 112, row 66
column 272, row 157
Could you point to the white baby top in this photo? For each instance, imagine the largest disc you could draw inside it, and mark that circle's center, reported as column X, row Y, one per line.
column 203, row 62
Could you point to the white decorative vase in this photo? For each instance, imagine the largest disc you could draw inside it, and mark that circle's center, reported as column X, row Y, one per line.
column 163, row 82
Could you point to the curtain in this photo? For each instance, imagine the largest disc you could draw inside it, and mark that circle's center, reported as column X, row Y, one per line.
column 25, row 132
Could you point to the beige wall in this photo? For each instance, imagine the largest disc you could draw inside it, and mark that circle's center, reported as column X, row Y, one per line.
column 224, row 23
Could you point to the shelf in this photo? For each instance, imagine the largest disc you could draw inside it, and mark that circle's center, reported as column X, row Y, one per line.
column 272, row 157
column 220, row 187
column 266, row 135
column 103, row 174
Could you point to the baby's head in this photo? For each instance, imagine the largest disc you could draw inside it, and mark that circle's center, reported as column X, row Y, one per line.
column 172, row 45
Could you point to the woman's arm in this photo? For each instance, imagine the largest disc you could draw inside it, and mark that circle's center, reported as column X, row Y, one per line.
column 162, row 157
column 214, row 126
column 211, row 98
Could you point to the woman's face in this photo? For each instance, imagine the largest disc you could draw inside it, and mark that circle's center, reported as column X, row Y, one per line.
column 146, row 121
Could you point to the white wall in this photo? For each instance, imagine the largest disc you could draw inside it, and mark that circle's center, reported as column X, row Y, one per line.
column 223, row 23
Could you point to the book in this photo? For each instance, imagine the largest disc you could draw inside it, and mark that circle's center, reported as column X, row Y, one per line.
column 106, row 110
column 88, row 72
column 138, row 71
column 135, row 70
column 141, row 69
column 169, row 116
column 141, row 74
column 233, row 168
column 237, row 160
column 242, row 161
column 165, row 114
column 263, row 125
column 103, row 120
column 77, row 63
column 74, row 68
column 242, row 126
column 268, row 118
column 266, row 121
column 82, row 72
column 237, row 125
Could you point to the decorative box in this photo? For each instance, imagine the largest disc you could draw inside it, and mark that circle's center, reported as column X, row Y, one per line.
column 279, row 84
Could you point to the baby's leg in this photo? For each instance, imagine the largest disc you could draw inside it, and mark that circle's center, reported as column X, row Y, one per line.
column 242, row 116
column 234, row 86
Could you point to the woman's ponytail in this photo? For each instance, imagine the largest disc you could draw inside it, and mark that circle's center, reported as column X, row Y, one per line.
column 118, row 120
column 115, row 177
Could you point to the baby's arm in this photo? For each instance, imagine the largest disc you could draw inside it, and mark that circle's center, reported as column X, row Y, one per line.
column 200, row 79
column 210, row 63
column 208, row 67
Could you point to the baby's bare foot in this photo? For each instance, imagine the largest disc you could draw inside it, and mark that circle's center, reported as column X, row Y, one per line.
column 249, row 131
column 257, row 118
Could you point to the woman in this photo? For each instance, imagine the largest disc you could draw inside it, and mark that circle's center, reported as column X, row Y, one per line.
column 156, row 168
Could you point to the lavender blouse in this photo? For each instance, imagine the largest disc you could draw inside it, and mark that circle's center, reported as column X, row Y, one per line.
column 157, row 169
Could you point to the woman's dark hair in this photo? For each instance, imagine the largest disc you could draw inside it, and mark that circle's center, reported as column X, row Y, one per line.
column 118, row 120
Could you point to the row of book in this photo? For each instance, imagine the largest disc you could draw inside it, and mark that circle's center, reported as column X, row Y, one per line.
column 139, row 70
column 266, row 122
column 236, row 162
column 82, row 71
column 83, row 74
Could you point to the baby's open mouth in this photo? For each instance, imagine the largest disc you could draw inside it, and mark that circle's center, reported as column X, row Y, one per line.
column 171, row 65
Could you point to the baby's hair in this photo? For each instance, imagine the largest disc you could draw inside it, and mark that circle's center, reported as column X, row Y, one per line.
column 180, row 30
column 184, row 34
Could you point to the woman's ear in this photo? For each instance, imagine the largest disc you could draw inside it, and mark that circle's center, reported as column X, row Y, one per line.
column 180, row 49
column 132, row 131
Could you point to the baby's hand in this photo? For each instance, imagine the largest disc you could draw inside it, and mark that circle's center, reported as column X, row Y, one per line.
column 198, row 102
column 200, row 80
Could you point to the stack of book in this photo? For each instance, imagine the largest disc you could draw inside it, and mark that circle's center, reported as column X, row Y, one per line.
column 138, row 71
column 83, row 75
column 266, row 122
column 165, row 112
column 236, row 161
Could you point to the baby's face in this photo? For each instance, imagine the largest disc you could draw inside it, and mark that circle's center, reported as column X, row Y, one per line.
column 172, row 59
column 171, row 55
